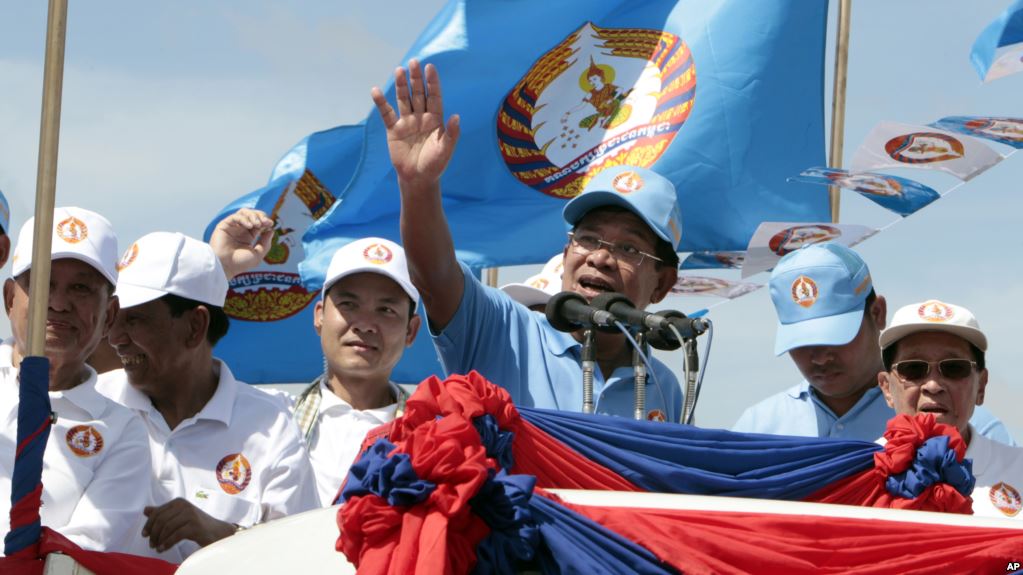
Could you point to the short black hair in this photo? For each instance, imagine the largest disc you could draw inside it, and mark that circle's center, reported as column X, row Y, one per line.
column 662, row 249
column 888, row 355
column 219, row 322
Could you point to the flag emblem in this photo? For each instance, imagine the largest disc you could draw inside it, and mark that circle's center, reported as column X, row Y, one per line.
column 84, row 440
column 698, row 284
column 234, row 473
column 128, row 257
column 1000, row 128
column 934, row 310
column 377, row 254
column 1006, row 499
column 72, row 230
column 627, row 182
column 602, row 97
column 804, row 291
column 872, row 184
column 924, row 148
column 795, row 237
column 656, row 415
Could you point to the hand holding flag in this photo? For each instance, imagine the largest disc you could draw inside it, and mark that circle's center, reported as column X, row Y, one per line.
column 242, row 240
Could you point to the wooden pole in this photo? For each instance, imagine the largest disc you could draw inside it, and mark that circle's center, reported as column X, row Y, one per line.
column 46, row 176
column 838, row 101
column 491, row 277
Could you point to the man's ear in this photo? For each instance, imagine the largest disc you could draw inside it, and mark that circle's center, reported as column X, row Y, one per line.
column 318, row 316
column 5, row 248
column 879, row 311
column 9, row 287
column 113, row 308
column 413, row 329
column 666, row 278
column 981, row 387
column 884, row 382
column 198, row 325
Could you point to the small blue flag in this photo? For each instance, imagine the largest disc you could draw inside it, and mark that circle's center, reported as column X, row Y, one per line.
column 900, row 195
column 1008, row 131
column 998, row 51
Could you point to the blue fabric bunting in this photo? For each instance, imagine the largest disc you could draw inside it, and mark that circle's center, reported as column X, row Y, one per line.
column 497, row 443
column 935, row 462
column 389, row 476
column 504, row 505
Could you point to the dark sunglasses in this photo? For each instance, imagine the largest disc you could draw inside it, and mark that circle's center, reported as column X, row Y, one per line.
column 917, row 369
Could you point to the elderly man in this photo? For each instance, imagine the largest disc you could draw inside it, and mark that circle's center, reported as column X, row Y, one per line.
column 625, row 228
column 934, row 363
column 366, row 318
column 829, row 318
column 97, row 450
column 225, row 455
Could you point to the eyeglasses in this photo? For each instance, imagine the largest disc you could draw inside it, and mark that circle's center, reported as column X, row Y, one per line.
column 917, row 369
column 584, row 243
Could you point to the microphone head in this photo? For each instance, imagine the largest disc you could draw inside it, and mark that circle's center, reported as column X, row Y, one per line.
column 605, row 300
column 555, row 310
column 664, row 339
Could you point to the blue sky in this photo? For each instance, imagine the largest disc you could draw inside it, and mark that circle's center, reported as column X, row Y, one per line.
column 171, row 110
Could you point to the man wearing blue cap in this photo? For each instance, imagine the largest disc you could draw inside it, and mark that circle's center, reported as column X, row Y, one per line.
column 829, row 320
column 625, row 228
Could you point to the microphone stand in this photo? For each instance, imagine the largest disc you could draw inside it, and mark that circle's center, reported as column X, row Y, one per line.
column 639, row 369
column 692, row 367
column 589, row 364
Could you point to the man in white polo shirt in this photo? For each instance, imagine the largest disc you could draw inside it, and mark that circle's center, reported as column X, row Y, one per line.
column 225, row 455
column 366, row 318
column 933, row 355
column 97, row 450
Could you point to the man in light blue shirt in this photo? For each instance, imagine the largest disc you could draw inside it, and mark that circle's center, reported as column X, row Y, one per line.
column 829, row 322
column 625, row 229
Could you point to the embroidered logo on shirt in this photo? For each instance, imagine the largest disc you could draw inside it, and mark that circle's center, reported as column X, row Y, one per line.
column 377, row 254
column 656, row 415
column 72, row 230
column 804, row 291
column 234, row 473
column 84, row 440
column 1006, row 499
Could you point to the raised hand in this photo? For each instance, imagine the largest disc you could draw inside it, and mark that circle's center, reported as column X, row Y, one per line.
column 419, row 142
column 241, row 240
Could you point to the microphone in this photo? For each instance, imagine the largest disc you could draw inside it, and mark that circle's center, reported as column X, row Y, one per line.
column 569, row 311
column 626, row 312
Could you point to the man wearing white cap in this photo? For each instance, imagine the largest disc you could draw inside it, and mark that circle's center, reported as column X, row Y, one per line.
column 934, row 363
column 538, row 289
column 366, row 318
column 225, row 455
column 829, row 318
column 625, row 225
column 97, row 450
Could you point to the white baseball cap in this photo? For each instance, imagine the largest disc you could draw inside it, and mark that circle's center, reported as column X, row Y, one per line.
column 77, row 234
column 539, row 288
column 164, row 263
column 373, row 255
column 934, row 315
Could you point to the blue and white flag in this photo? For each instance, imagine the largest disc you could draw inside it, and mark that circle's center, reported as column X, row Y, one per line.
column 271, row 338
column 773, row 240
column 894, row 145
column 998, row 51
column 1008, row 131
column 724, row 97
column 713, row 260
column 900, row 195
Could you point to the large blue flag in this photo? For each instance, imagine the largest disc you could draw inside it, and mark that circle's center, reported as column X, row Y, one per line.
column 271, row 338
column 724, row 97
column 998, row 50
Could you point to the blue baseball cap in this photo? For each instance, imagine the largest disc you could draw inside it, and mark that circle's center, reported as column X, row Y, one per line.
column 819, row 292
column 5, row 215
column 644, row 192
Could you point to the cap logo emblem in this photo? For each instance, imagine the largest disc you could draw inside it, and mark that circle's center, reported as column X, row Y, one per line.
column 935, row 311
column 1006, row 499
column 627, row 182
column 656, row 415
column 84, row 440
column 234, row 473
column 129, row 256
column 804, row 291
column 377, row 254
column 539, row 283
column 72, row 230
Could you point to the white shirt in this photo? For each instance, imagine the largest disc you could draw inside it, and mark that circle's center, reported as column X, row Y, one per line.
column 999, row 472
column 338, row 435
column 96, row 453
column 240, row 459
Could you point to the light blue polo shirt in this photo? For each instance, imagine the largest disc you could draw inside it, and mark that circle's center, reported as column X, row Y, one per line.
column 797, row 411
column 539, row 366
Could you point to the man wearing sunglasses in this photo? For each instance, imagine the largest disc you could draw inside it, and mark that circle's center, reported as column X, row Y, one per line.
column 829, row 319
column 626, row 227
column 933, row 357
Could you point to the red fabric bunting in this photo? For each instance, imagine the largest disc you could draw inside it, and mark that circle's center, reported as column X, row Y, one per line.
column 904, row 435
column 98, row 562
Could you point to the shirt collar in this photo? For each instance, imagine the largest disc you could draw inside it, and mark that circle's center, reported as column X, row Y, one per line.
column 558, row 342
column 85, row 396
column 221, row 405
column 329, row 399
column 800, row 391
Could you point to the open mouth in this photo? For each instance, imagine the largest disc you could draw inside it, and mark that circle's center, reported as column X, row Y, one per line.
column 595, row 285
column 132, row 360
column 933, row 408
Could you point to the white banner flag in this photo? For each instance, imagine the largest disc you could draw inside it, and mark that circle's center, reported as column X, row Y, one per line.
column 892, row 145
column 708, row 286
column 772, row 240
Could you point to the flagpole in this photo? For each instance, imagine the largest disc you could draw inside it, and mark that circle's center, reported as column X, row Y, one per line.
column 838, row 101
column 491, row 277
column 46, row 176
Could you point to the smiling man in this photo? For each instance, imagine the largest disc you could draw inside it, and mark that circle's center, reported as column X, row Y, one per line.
column 829, row 319
column 97, row 449
column 934, row 363
column 225, row 455
column 626, row 226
